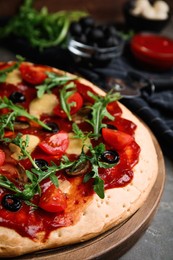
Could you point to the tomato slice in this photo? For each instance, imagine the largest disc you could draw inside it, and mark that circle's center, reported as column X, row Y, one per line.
column 83, row 90
column 53, row 200
column 2, row 157
column 123, row 125
column 34, row 75
column 116, row 139
column 78, row 103
column 55, row 144
column 131, row 154
column 114, row 109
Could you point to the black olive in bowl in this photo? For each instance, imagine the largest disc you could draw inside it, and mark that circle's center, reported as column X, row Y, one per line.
column 90, row 43
column 140, row 23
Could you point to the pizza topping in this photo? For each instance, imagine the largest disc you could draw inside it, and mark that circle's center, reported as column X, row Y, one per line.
column 80, row 169
column 17, row 97
column 116, row 139
column 32, row 74
column 43, row 105
column 11, row 202
column 110, row 156
column 55, row 144
column 53, row 127
column 7, row 120
column 27, row 144
column 52, row 80
column 10, row 68
column 18, row 125
column 70, row 101
column 41, row 163
column 60, row 160
column 99, row 111
column 2, row 157
column 53, row 200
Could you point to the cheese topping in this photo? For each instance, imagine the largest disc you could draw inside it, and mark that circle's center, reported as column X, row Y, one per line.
column 43, row 105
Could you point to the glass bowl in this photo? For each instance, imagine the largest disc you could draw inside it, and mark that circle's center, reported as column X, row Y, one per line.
column 94, row 55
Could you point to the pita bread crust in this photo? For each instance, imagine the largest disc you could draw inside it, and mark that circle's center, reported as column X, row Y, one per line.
column 117, row 206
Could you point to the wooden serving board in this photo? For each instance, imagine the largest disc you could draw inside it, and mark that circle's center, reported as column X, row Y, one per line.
column 117, row 241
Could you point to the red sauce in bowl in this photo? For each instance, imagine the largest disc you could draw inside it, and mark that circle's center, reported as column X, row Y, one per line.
column 153, row 50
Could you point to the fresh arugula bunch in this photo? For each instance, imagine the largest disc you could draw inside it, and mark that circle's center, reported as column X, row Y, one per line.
column 39, row 27
column 53, row 80
column 7, row 120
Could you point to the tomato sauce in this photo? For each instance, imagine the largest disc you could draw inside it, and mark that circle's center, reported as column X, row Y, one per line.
column 27, row 221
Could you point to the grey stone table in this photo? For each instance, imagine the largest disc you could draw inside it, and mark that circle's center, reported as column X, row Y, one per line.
column 157, row 242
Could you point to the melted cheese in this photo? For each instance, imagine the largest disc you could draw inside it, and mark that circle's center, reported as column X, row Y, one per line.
column 43, row 105
column 75, row 145
column 14, row 77
column 64, row 185
column 16, row 151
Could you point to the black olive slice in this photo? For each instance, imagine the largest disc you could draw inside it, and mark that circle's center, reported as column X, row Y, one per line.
column 54, row 127
column 11, row 202
column 17, row 97
column 41, row 163
column 110, row 156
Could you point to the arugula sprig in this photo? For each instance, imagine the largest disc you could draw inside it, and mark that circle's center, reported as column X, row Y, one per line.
column 7, row 120
column 40, row 28
column 67, row 91
column 4, row 72
column 22, row 144
column 35, row 175
column 95, row 161
column 53, row 80
column 99, row 111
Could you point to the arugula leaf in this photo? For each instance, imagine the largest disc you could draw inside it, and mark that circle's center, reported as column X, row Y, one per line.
column 4, row 72
column 65, row 93
column 7, row 120
column 53, row 80
column 99, row 111
column 95, row 161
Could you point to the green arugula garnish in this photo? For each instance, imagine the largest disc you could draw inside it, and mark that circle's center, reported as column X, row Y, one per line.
column 40, row 28
column 7, row 120
column 4, row 72
column 65, row 93
column 95, row 161
column 35, row 175
column 53, row 80
column 99, row 111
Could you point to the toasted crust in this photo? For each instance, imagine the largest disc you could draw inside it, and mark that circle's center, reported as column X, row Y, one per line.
column 118, row 204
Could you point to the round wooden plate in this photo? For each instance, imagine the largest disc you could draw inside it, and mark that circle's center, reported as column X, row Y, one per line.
column 117, row 241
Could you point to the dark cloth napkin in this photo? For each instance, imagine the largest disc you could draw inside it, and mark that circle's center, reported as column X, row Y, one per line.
column 155, row 108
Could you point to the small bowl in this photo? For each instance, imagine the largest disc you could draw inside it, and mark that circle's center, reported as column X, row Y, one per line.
column 140, row 23
column 153, row 50
column 87, row 54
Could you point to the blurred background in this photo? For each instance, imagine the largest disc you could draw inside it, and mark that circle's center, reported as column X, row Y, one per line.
column 108, row 10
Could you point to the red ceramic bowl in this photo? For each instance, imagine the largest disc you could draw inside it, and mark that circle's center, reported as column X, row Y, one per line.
column 153, row 50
